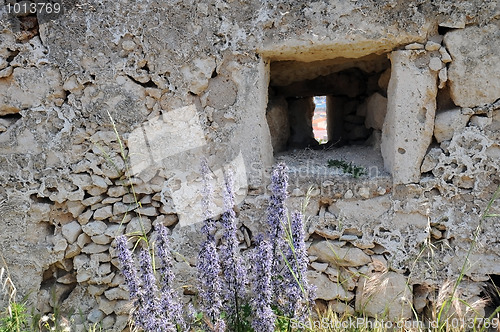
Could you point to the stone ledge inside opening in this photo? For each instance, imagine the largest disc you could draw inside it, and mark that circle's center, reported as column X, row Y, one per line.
column 356, row 102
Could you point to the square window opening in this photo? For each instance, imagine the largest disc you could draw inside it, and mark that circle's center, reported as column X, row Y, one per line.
column 334, row 109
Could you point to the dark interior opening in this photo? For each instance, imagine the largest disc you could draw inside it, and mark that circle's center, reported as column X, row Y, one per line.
column 355, row 101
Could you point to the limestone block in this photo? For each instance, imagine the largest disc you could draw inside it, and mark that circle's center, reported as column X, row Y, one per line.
column 449, row 121
column 6, row 72
column 71, row 231
column 466, row 157
column 474, row 74
column 480, row 121
column 385, row 296
column 432, row 46
column 116, row 294
column 80, row 261
column 414, row 46
column 363, row 211
column 96, row 315
column 326, row 289
column 431, row 160
column 107, row 323
column 104, row 269
column 94, row 228
column 420, row 300
column 60, row 243
column 121, row 322
column 376, row 110
column 119, row 208
column 72, row 250
column 85, row 217
column 435, row 64
column 92, row 200
column 340, row 307
column 94, row 248
column 445, row 56
column 409, row 122
column 383, row 81
column 138, row 225
column 82, row 240
column 222, row 92
column 443, row 77
column 149, row 211
column 111, row 200
column 333, row 273
column 300, row 114
column 67, row 279
column 101, row 239
column 102, row 257
column 349, row 278
column 277, row 120
column 114, row 230
column 103, row 213
column 364, row 192
column 75, row 208
column 101, row 280
column 198, row 73
column 99, row 181
column 320, row 267
column 167, row 220
column 96, row 190
column 117, row 191
column 328, row 252
column 28, row 88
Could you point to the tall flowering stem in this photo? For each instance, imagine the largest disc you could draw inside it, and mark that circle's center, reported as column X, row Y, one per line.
column 208, row 265
column 299, row 291
column 169, row 300
column 147, row 314
column 232, row 263
column 276, row 219
column 262, row 287
column 127, row 266
column 130, row 274
column 155, row 319
column 276, row 211
column 209, row 279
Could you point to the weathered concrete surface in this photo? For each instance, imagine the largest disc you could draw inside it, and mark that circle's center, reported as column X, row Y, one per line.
column 474, row 74
column 411, row 107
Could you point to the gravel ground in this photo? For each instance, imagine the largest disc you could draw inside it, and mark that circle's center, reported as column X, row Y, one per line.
column 316, row 162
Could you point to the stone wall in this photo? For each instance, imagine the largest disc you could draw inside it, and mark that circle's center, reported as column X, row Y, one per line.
column 185, row 79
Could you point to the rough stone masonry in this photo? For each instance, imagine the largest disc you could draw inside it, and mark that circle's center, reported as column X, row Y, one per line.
column 186, row 79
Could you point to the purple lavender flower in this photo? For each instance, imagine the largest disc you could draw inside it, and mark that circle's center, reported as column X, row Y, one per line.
column 206, row 199
column 276, row 211
column 169, row 301
column 231, row 261
column 208, row 259
column 154, row 317
column 127, row 266
column 299, row 292
column 130, row 274
column 147, row 314
column 276, row 218
column 209, row 278
column 262, row 287
column 220, row 326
